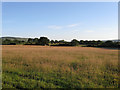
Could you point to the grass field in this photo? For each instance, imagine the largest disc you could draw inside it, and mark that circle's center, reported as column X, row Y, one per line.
column 59, row 67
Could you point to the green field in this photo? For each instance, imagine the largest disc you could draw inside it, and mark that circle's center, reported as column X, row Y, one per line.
column 59, row 67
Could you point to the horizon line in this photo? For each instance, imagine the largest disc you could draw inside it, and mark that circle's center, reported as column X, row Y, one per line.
column 56, row 39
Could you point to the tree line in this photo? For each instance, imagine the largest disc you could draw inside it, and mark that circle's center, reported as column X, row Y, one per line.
column 44, row 41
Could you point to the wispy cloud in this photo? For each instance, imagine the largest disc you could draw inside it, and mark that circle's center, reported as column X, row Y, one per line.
column 89, row 31
column 73, row 25
column 55, row 27
column 65, row 26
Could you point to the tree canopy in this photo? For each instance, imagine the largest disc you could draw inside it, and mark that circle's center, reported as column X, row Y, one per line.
column 45, row 41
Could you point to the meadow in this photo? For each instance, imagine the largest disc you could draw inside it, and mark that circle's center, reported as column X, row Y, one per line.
column 27, row 66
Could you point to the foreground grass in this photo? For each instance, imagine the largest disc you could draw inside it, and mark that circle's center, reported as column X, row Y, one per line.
column 59, row 67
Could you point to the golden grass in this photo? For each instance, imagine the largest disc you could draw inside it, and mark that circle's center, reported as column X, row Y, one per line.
column 51, row 57
column 81, row 61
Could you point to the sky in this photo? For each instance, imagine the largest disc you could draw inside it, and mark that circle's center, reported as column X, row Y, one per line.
column 61, row 20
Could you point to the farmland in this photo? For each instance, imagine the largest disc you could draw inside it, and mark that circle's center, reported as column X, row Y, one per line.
column 27, row 66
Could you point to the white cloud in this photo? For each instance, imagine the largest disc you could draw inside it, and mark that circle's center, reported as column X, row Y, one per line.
column 55, row 27
column 61, row 27
column 73, row 25
column 89, row 31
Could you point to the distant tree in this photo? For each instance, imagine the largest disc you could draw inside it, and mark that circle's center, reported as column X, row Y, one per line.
column 22, row 41
column 35, row 40
column 56, row 41
column 30, row 40
column 52, row 41
column 15, row 41
column 109, row 43
column 43, row 41
column 86, row 42
column 81, row 42
column 118, row 44
column 93, row 43
column 99, row 41
column 61, row 41
column 12, row 43
column 74, row 42
column 6, row 42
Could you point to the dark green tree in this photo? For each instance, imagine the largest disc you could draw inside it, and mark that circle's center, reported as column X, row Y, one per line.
column 109, row 43
column 56, row 41
column 81, row 42
column 74, row 42
column 16, row 41
column 61, row 41
column 86, row 42
column 30, row 40
column 52, row 41
column 93, row 43
column 43, row 41
column 99, row 42
column 35, row 40
column 6, row 42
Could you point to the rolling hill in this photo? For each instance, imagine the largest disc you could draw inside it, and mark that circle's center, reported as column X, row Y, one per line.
column 14, row 38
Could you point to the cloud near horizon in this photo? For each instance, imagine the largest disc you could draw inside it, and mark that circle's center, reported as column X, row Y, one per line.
column 73, row 25
column 55, row 27
column 61, row 27
column 89, row 31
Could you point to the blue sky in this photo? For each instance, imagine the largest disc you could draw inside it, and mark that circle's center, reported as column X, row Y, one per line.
column 60, row 20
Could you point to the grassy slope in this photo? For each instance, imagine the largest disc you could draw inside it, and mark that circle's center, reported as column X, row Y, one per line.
column 14, row 38
column 59, row 67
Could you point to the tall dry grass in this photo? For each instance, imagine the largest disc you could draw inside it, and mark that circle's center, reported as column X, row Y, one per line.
column 87, row 67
